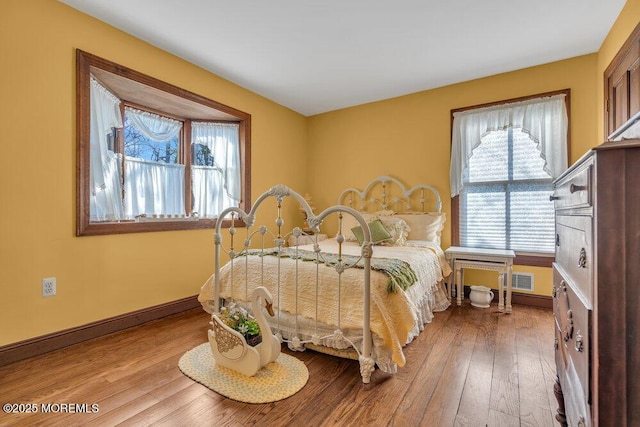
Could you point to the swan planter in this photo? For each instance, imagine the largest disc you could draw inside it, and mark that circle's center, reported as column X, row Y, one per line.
column 230, row 348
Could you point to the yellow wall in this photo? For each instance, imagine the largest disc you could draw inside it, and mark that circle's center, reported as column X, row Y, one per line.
column 102, row 276
column 409, row 137
column 98, row 277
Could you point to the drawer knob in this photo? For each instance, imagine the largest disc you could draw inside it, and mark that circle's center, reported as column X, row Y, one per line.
column 582, row 259
column 575, row 188
column 567, row 332
column 557, row 239
column 552, row 198
column 579, row 344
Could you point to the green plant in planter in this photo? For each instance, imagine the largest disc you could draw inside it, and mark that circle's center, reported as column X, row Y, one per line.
column 239, row 319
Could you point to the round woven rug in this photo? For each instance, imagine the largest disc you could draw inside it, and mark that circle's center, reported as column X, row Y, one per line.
column 275, row 381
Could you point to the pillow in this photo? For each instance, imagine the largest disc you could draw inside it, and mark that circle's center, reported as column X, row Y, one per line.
column 398, row 228
column 378, row 232
column 425, row 226
column 349, row 222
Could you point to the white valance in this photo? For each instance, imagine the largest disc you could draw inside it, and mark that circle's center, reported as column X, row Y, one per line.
column 543, row 119
column 153, row 126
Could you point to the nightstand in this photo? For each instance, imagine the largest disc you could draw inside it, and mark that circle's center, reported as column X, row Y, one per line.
column 305, row 239
column 500, row 260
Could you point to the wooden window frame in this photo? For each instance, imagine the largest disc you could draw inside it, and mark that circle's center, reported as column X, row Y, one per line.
column 622, row 85
column 203, row 108
column 521, row 258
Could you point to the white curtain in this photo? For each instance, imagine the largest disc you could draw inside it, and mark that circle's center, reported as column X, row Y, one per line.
column 153, row 188
column 105, row 169
column 544, row 119
column 216, row 187
column 153, row 126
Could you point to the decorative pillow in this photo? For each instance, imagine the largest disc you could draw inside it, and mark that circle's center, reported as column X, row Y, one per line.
column 378, row 232
column 349, row 223
column 425, row 226
column 398, row 228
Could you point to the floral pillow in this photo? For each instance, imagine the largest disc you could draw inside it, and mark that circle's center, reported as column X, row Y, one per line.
column 398, row 228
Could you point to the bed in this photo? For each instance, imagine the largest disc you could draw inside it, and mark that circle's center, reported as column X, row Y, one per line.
column 363, row 293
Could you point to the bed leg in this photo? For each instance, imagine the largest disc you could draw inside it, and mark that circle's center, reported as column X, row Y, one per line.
column 367, row 366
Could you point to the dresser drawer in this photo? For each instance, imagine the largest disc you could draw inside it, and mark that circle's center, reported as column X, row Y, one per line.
column 573, row 347
column 574, row 189
column 574, row 251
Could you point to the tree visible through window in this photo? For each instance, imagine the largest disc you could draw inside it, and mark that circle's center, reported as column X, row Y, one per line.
column 141, row 147
column 154, row 171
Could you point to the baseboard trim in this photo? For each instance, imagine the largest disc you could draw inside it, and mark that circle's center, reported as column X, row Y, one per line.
column 54, row 341
column 540, row 301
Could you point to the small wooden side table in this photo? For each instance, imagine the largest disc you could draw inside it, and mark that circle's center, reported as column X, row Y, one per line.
column 500, row 260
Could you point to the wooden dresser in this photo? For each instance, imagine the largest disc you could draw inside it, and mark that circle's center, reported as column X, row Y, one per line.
column 596, row 288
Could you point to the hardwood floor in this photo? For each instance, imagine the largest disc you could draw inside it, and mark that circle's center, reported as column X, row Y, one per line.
column 470, row 367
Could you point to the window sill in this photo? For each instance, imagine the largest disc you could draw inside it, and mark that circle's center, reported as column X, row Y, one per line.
column 167, row 224
column 166, row 218
column 534, row 260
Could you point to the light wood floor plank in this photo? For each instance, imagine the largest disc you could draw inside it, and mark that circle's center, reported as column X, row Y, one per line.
column 446, row 400
column 476, row 395
column 413, row 407
column 532, row 381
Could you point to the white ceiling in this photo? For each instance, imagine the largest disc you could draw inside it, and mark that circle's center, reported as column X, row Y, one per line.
column 319, row 56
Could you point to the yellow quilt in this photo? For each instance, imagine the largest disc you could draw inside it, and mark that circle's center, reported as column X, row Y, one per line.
column 297, row 285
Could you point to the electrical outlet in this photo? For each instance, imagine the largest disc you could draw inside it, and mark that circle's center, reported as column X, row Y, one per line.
column 49, row 287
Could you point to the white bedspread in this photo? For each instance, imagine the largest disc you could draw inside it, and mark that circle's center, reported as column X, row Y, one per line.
column 396, row 318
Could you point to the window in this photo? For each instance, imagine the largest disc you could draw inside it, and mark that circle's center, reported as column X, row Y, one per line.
column 504, row 202
column 513, row 151
column 152, row 156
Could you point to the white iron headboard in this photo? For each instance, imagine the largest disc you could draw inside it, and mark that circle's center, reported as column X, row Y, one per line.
column 385, row 192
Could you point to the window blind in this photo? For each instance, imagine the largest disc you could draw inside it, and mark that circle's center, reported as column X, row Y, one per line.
column 504, row 202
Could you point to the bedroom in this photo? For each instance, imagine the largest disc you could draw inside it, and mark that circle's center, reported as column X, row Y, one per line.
column 100, row 277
